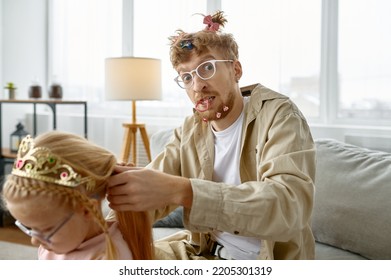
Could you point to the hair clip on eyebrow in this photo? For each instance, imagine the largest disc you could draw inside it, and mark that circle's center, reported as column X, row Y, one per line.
column 186, row 44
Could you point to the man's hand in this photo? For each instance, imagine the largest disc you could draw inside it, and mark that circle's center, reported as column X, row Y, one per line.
column 141, row 189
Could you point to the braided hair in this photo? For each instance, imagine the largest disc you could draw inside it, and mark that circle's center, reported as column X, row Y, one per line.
column 88, row 160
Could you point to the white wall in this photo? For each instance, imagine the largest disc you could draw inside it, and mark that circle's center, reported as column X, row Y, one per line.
column 23, row 55
column 24, row 43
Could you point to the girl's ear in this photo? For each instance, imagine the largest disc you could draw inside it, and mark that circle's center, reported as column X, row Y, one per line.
column 87, row 212
column 83, row 211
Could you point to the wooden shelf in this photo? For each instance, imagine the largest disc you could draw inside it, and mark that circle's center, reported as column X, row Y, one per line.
column 42, row 101
column 6, row 157
column 6, row 153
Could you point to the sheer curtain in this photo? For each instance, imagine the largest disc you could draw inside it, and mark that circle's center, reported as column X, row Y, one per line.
column 85, row 32
column 279, row 44
column 153, row 26
column 364, row 60
column 82, row 34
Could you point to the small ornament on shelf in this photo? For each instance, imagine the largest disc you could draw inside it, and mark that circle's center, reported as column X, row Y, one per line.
column 55, row 91
column 35, row 90
column 11, row 89
column 17, row 137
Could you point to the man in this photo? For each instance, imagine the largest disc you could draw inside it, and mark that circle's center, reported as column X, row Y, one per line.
column 242, row 168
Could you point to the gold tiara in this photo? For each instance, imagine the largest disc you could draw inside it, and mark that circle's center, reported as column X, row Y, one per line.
column 41, row 164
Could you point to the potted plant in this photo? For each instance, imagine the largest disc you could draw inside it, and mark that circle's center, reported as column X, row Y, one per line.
column 11, row 90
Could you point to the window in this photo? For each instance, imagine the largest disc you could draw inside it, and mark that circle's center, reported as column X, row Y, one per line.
column 152, row 27
column 279, row 44
column 364, row 60
column 79, row 46
column 331, row 57
column 83, row 34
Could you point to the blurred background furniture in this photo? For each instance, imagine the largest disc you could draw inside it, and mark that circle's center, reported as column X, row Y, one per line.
column 133, row 78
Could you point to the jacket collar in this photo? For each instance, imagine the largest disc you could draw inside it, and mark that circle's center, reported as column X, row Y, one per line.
column 259, row 94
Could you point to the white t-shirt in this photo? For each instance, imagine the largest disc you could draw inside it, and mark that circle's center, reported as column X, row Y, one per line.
column 226, row 169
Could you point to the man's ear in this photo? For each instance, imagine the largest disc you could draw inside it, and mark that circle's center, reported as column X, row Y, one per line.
column 238, row 70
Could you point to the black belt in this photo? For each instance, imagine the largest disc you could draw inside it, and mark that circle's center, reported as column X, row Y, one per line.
column 216, row 250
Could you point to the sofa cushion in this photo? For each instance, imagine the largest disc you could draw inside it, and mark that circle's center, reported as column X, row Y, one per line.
column 173, row 220
column 158, row 141
column 352, row 206
column 328, row 252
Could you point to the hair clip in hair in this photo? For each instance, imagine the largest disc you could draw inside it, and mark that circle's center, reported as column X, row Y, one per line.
column 186, row 44
column 211, row 25
column 41, row 164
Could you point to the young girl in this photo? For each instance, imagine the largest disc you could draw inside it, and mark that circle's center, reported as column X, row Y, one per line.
column 55, row 192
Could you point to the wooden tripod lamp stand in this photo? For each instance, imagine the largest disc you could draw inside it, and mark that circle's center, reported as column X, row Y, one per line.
column 133, row 78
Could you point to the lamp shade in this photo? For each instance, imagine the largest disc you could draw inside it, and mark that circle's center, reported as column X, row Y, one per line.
column 133, row 78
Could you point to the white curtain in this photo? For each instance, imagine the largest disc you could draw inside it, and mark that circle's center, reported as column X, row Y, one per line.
column 83, row 33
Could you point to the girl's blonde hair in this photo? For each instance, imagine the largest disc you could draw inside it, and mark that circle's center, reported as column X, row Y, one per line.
column 89, row 161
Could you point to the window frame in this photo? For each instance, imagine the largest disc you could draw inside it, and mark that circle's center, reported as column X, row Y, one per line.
column 328, row 77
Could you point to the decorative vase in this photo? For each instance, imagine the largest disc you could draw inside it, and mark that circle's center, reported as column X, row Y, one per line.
column 35, row 91
column 11, row 93
column 55, row 91
column 11, row 90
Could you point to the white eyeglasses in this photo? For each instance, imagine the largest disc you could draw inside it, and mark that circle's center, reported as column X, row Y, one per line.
column 39, row 235
column 206, row 70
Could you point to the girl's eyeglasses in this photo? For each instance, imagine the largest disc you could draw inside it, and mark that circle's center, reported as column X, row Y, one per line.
column 39, row 235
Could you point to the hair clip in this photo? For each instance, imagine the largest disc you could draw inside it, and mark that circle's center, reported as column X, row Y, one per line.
column 211, row 25
column 41, row 164
column 186, row 44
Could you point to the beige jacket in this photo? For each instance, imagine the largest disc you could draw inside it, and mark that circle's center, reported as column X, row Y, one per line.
column 277, row 169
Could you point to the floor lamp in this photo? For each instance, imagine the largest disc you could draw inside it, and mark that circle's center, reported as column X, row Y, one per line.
column 133, row 78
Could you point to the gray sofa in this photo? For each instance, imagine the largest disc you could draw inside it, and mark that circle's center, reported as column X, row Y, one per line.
column 352, row 206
